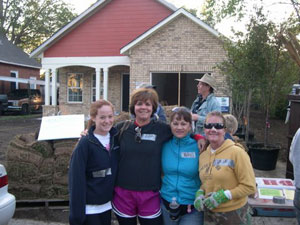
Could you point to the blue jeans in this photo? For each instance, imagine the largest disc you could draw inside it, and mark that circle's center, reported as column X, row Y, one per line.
column 193, row 218
column 297, row 204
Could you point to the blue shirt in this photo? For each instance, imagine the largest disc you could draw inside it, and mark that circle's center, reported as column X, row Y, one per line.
column 180, row 163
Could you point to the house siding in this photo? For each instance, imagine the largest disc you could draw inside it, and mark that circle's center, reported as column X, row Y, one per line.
column 109, row 29
column 24, row 72
column 181, row 46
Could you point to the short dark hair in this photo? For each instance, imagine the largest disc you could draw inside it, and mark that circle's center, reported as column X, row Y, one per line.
column 143, row 94
column 181, row 113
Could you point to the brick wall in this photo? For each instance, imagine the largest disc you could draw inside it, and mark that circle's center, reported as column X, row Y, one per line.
column 24, row 72
column 182, row 46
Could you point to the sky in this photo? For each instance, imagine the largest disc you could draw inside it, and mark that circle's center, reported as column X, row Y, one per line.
column 277, row 12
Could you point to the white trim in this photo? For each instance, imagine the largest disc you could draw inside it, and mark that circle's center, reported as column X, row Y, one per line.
column 105, row 83
column 38, row 51
column 168, row 5
column 166, row 21
column 47, row 87
column 23, row 80
column 19, row 64
column 94, row 62
column 54, row 88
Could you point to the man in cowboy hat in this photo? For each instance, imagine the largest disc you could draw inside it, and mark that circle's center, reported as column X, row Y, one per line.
column 205, row 102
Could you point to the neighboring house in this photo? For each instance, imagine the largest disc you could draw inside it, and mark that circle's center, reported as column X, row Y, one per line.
column 14, row 63
column 115, row 45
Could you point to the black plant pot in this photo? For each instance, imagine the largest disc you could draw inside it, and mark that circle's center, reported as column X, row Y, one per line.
column 263, row 158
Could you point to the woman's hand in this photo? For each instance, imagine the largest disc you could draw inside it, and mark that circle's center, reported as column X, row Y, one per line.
column 201, row 145
column 195, row 116
column 83, row 133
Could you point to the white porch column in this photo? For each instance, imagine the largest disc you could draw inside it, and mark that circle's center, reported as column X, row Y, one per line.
column 105, row 83
column 47, row 87
column 98, row 70
column 54, row 86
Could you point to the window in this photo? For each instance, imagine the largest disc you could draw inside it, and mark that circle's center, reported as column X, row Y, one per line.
column 14, row 85
column 32, row 85
column 94, row 87
column 176, row 88
column 75, row 84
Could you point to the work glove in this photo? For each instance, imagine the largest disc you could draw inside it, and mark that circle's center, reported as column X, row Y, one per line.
column 215, row 199
column 198, row 203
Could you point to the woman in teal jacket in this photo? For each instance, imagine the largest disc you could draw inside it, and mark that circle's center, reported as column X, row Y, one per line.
column 180, row 172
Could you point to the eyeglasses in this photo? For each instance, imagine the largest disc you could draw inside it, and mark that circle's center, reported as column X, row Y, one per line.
column 138, row 135
column 217, row 126
column 182, row 108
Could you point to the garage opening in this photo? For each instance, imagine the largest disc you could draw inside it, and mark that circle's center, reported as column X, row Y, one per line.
column 176, row 88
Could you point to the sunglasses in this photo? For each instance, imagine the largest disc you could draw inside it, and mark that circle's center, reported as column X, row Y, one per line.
column 217, row 126
column 138, row 135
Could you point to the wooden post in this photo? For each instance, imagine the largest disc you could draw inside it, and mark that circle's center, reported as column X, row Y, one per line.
column 179, row 86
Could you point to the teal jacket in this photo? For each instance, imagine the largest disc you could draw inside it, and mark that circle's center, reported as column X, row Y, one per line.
column 180, row 163
column 210, row 104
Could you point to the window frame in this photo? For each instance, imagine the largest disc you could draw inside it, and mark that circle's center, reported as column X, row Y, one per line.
column 81, row 88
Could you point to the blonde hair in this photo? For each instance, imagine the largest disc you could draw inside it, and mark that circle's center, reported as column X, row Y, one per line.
column 217, row 114
column 231, row 123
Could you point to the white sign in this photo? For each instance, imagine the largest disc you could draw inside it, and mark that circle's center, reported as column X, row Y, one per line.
column 224, row 102
column 61, row 127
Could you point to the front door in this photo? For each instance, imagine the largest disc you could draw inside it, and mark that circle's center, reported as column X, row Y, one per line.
column 125, row 92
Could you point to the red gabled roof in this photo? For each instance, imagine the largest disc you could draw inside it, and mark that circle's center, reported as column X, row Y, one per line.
column 109, row 29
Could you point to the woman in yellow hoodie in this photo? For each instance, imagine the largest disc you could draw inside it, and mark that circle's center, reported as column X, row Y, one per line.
column 227, row 177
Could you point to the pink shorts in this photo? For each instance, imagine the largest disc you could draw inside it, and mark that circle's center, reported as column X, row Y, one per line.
column 128, row 204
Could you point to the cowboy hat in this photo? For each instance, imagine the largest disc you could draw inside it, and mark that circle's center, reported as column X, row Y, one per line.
column 208, row 79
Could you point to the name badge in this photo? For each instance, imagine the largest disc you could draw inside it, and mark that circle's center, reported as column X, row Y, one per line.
column 101, row 173
column 188, row 155
column 149, row 137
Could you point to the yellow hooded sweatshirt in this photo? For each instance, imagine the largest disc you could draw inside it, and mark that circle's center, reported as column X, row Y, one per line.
column 228, row 168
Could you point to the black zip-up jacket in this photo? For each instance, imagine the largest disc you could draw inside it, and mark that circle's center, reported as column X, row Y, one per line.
column 92, row 174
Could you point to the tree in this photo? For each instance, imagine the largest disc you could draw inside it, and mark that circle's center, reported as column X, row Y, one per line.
column 256, row 67
column 27, row 23
column 214, row 11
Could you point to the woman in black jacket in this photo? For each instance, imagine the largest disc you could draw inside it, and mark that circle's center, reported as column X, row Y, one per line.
column 93, row 169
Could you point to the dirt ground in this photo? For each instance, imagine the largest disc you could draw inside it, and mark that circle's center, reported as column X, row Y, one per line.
column 278, row 134
column 11, row 125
